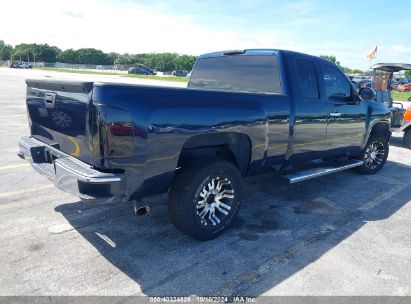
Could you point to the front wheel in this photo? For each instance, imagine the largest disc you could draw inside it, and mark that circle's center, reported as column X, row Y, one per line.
column 205, row 197
column 374, row 155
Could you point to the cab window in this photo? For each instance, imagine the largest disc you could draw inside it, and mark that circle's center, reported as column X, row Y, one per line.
column 237, row 73
column 307, row 79
column 336, row 84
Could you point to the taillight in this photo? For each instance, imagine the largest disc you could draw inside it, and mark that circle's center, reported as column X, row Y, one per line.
column 407, row 114
column 116, row 132
column 121, row 129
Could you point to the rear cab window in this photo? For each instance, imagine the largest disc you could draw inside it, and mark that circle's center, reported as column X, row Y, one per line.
column 237, row 73
column 307, row 79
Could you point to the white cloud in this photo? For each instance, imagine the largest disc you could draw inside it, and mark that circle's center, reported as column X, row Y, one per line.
column 130, row 27
column 121, row 28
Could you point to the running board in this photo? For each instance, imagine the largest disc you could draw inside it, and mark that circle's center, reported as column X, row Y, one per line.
column 320, row 171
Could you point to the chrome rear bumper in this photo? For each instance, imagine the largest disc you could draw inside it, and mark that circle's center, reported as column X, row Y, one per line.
column 72, row 175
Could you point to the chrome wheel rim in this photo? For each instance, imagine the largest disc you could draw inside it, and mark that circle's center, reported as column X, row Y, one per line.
column 374, row 155
column 215, row 201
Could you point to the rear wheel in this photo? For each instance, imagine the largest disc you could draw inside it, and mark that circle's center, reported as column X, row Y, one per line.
column 407, row 138
column 205, row 198
column 374, row 155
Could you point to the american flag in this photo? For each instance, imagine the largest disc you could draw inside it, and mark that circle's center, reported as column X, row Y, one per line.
column 371, row 54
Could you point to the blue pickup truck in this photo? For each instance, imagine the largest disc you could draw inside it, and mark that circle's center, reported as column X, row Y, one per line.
column 244, row 113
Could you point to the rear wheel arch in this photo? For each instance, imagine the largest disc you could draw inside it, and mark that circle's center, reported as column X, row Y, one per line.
column 231, row 146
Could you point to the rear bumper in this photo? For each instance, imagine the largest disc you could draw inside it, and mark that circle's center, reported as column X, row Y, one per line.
column 72, row 175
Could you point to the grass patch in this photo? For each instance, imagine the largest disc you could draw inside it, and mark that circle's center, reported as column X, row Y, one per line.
column 152, row 77
column 164, row 78
column 401, row 96
column 75, row 71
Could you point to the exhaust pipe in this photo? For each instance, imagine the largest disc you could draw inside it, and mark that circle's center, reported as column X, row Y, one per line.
column 141, row 210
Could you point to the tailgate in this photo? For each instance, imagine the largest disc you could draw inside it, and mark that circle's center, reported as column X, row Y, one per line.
column 60, row 115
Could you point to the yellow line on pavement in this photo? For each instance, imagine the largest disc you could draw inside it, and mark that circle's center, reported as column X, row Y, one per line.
column 14, row 166
column 23, row 191
column 77, row 150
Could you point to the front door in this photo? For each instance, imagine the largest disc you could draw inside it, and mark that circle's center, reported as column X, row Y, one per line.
column 346, row 116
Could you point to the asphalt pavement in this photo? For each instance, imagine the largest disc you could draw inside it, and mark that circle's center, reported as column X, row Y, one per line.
column 342, row 234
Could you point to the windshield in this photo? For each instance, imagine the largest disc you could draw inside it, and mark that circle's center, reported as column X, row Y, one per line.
column 239, row 73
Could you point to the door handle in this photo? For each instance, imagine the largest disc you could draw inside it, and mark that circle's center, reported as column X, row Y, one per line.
column 335, row 114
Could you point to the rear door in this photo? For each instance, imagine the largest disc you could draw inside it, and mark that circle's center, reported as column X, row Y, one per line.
column 346, row 117
column 310, row 110
column 59, row 115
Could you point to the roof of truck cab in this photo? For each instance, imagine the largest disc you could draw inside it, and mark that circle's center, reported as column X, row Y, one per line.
column 238, row 52
column 255, row 52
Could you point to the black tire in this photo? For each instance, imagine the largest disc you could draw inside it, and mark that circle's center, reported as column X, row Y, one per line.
column 407, row 138
column 191, row 190
column 374, row 163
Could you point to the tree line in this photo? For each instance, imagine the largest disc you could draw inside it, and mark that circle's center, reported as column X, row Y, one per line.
column 345, row 69
column 34, row 52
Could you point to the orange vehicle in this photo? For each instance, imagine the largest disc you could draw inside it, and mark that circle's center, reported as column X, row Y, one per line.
column 404, row 87
column 405, row 127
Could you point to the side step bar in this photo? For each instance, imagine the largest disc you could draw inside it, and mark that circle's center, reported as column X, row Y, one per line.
column 320, row 171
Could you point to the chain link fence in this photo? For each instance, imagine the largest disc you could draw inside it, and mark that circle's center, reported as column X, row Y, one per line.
column 5, row 63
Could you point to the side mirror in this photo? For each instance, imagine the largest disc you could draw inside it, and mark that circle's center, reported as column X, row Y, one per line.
column 366, row 94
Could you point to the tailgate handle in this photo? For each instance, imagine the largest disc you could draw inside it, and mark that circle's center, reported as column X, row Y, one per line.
column 50, row 100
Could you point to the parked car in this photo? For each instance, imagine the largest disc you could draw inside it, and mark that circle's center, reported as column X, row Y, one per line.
column 180, row 73
column 149, row 70
column 361, row 82
column 366, row 84
column 141, row 71
column 244, row 113
column 20, row 65
column 404, row 87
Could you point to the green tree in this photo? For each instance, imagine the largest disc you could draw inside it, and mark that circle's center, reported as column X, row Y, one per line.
column 91, row 56
column 352, row 71
column 46, row 53
column 67, row 56
column 112, row 57
column 165, row 61
column 185, row 62
column 330, row 58
column 407, row 74
column 35, row 52
column 85, row 56
column 5, row 51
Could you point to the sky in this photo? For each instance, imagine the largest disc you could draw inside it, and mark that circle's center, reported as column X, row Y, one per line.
column 345, row 29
